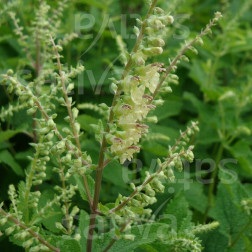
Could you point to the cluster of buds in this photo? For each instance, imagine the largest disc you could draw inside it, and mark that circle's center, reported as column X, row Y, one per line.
column 145, row 194
column 69, row 226
column 132, row 107
column 14, row 201
column 18, row 233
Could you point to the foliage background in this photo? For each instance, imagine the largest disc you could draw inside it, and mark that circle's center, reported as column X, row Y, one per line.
column 214, row 88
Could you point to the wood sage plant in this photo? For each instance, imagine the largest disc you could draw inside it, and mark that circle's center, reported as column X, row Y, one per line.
column 136, row 93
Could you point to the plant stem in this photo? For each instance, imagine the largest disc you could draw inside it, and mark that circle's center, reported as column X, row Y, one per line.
column 63, row 180
column 180, row 54
column 69, row 110
column 37, row 70
column 99, row 170
column 32, row 233
column 213, row 181
column 29, row 182
column 21, row 35
column 67, row 102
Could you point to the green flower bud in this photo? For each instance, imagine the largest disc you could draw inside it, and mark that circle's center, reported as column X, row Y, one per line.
column 149, row 191
column 152, row 119
column 159, row 10
column 67, row 131
column 157, row 185
column 114, row 87
column 10, row 72
column 149, row 30
column 27, row 244
column 31, row 111
column 3, row 81
column 184, row 58
column 189, row 156
column 70, row 87
column 135, row 203
column 136, row 30
column 13, row 81
column 10, row 88
column 200, row 41
column 75, row 112
column 22, row 235
column 78, row 163
column 170, row 175
column 179, row 165
column 194, row 50
column 158, row 102
column 49, row 136
column 109, row 138
column 218, row 15
column 59, row 48
column 51, row 124
column 167, row 20
column 67, row 119
column 157, row 24
column 10, row 230
column 74, row 211
column 129, row 237
column 37, row 182
column 138, row 60
column 132, row 186
column 36, row 249
column 3, row 221
column 61, row 145
column 167, row 90
column 44, row 130
column 77, row 237
column 153, row 51
column 157, row 42
column 44, row 153
column 161, row 175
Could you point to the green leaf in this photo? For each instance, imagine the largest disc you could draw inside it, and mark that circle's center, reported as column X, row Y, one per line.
column 69, row 245
column 214, row 241
column 64, row 243
column 113, row 173
column 206, row 111
column 168, row 109
column 196, row 197
column 144, row 234
column 80, row 183
column 155, row 148
column 7, row 158
column 228, row 211
column 178, row 210
column 243, row 153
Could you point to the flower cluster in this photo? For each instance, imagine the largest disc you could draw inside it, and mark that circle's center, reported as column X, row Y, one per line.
column 137, row 87
column 134, row 206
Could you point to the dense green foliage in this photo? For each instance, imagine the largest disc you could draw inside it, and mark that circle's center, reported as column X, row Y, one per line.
column 206, row 207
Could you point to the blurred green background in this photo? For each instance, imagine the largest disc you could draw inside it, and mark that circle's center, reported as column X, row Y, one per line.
column 215, row 88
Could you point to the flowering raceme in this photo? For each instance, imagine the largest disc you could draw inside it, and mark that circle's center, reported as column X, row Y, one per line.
column 138, row 87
